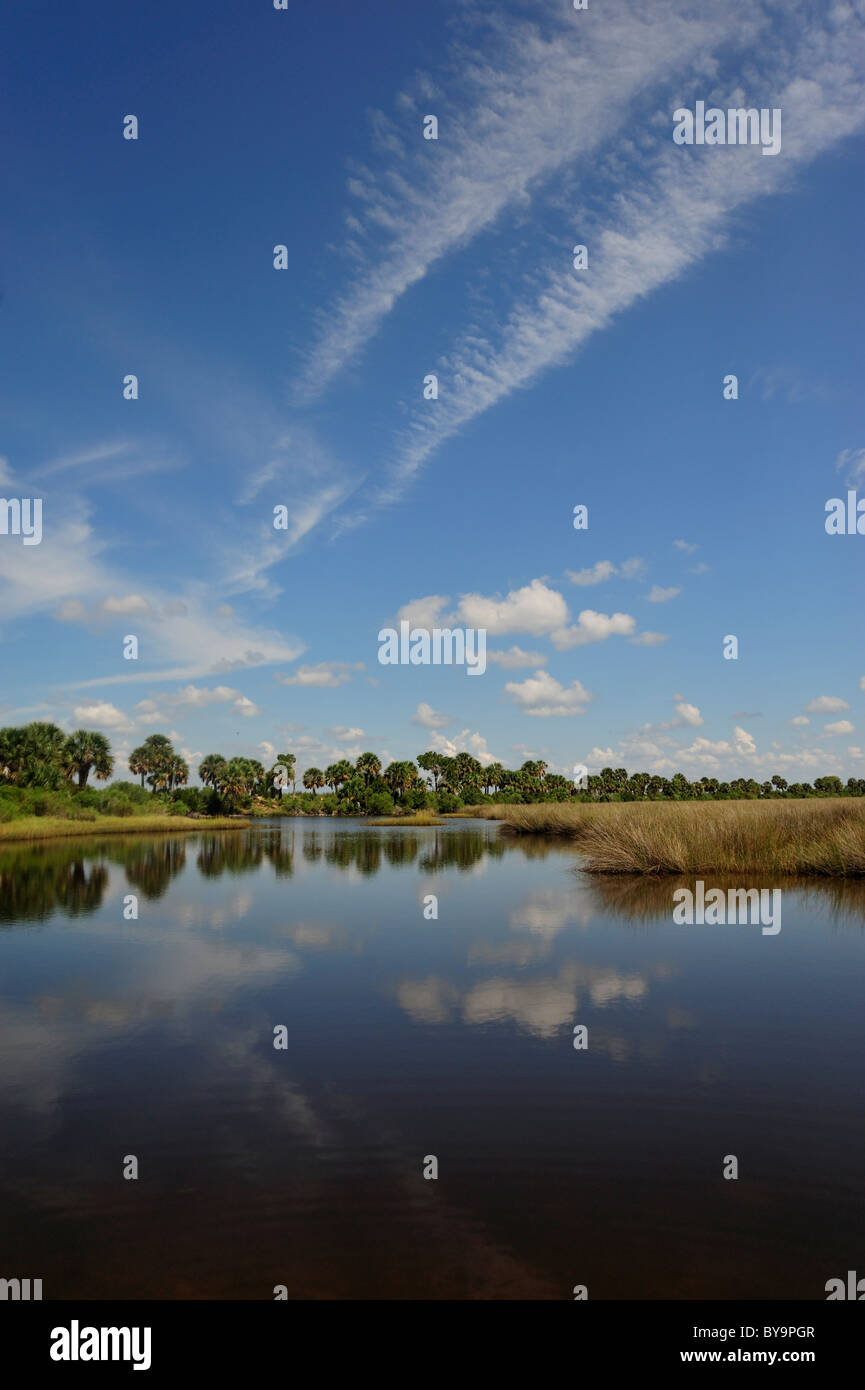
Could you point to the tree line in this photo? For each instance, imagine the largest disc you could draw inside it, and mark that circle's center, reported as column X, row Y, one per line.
column 40, row 755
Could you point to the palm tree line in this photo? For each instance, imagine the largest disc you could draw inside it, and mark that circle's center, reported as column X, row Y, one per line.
column 41, row 755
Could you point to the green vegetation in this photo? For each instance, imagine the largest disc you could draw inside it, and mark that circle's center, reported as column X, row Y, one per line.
column 45, row 772
column 785, row 837
column 417, row 818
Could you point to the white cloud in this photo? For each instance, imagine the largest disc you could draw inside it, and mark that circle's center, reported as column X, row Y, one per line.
column 689, row 714
column 840, row 726
column 99, row 714
column 600, row 571
column 424, row 612
column 537, row 101
column 464, row 742
column 650, row 639
column 514, row 657
column 659, row 595
column 655, row 223
column 246, row 707
column 343, row 732
column 128, row 606
column 634, row 568
column 428, row 718
column 826, row 704
column 544, row 697
column 851, row 462
column 744, row 743
column 593, row 627
column 687, row 546
column 534, row 608
column 325, row 674
column 800, row 721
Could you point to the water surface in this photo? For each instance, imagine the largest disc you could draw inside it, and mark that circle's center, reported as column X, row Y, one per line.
column 410, row 1036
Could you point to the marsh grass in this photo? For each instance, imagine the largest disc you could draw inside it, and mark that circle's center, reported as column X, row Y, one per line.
column 417, row 818
column 825, row 837
column 56, row 827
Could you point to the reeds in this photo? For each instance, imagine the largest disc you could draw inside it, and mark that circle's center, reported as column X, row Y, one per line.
column 825, row 837
column 52, row 827
column 417, row 818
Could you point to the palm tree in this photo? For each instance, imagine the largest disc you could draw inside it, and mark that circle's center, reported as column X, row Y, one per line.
column 344, row 772
column 41, row 751
column 368, row 766
column 288, row 761
column 493, row 776
column 11, row 754
column 178, row 772
column 210, row 770
column 84, row 751
column 158, row 752
column 313, row 778
column 138, row 762
column 235, row 779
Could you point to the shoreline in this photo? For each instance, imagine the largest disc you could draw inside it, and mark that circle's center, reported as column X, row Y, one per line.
column 30, row 828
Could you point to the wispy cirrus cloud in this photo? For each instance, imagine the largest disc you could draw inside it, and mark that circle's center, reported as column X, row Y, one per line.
column 661, row 213
column 537, row 101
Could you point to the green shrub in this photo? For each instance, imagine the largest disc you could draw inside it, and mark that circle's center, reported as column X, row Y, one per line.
column 379, row 803
column 416, row 799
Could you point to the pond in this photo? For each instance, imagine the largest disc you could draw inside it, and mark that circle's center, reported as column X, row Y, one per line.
column 282, row 1027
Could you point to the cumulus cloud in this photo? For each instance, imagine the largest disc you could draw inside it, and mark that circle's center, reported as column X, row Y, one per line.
column 464, row 742
column 658, row 595
column 544, row 697
column 650, row 639
column 534, row 608
column 428, row 718
column 99, row 714
column 840, row 726
column 689, row 714
column 514, row 657
column 600, row 571
column 323, row 675
column 826, row 704
column 593, row 627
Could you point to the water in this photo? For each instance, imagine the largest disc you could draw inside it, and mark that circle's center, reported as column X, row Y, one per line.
column 409, row 1037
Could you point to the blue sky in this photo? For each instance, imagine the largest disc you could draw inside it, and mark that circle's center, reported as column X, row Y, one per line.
column 304, row 387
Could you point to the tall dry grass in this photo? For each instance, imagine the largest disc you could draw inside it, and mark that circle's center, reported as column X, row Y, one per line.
column 824, row 837
column 57, row 827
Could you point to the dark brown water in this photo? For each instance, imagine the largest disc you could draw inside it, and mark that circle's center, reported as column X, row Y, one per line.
column 409, row 1037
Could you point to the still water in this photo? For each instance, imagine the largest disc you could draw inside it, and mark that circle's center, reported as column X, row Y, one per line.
column 408, row 1037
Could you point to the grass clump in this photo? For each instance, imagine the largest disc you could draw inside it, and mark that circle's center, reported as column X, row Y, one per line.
column 417, row 818
column 820, row 837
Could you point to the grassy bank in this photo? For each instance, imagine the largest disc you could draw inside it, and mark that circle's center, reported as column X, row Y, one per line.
column 825, row 837
column 52, row 827
column 418, row 818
